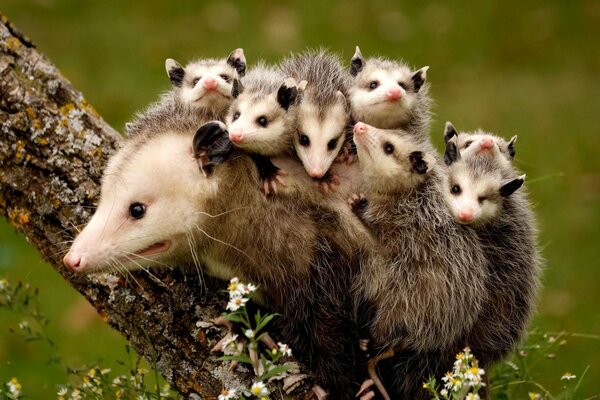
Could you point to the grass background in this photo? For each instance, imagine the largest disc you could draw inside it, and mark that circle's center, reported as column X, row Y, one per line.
column 511, row 67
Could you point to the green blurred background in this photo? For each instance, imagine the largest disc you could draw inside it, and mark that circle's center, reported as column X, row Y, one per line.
column 506, row 66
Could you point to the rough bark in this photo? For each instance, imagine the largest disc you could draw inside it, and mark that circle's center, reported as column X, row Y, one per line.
column 53, row 148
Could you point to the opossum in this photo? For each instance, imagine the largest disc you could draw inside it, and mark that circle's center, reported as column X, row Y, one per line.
column 422, row 288
column 323, row 113
column 262, row 119
column 205, row 84
column 482, row 191
column 301, row 253
column 389, row 95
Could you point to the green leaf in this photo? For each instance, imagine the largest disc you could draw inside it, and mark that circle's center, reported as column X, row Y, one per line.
column 240, row 358
column 280, row 369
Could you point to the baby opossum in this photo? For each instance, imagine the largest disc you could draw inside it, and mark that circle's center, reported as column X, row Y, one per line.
column 302, row 253
column 424, row 284
column 262, row 119
column 206, row 84
column 389, row 95
column 323, row 114
column 481, row 191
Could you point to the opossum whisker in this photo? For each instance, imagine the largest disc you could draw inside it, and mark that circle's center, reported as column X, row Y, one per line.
column 144, row 258
column 222, row 242
column 109, row 215
column 157, row 279
column 129, row 273
column 68, row 221
column 223, row 213
column 197, row 263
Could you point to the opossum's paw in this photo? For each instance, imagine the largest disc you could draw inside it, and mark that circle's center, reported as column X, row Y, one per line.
column 230, row 344
column 365, row 392
column 346, row 155
column 363, row 344
column 269, row 184
column 319, row 393
column 329, row 182
column 358, row 203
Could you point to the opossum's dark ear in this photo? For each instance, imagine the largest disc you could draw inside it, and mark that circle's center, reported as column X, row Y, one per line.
column 237, row 88
column 452, row 154
column 449, row 131
column 418, row 162
column 511, row 147
column 509, row 188
column 287, row 93
column 175, row 72
column 418, row 77
column 237, row 60
column 211, row 145
column 357, row 63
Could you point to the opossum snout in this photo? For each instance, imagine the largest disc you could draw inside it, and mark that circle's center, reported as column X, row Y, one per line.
column 316, row 173
column 72, row 261
column 210, row 84
column 486, row 143
column 360, row 128
column 465, row 216
column 236, row 136
column 394, row 94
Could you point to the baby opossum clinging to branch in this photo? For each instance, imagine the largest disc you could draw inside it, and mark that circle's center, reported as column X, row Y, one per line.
column 482, row 191
column 303, row 261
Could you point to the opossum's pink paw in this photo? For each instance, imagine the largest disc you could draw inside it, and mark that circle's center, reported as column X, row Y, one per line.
column 222, row 321
column 269, row 185
column 363, row 344
column 365, row 392
column 220, row 346
column 329, row 182
column 269, row 342
column 319, row 393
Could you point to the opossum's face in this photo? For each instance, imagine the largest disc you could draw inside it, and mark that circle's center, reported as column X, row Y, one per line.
column 475, row 186
column 482, row 143
column 263, row 123
column 207, row 83
column 389, row 161
column 320, row 134
column 383, row 93
column 151, row 196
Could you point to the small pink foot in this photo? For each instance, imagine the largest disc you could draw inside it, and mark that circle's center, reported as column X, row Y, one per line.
column 269, row 185
column 320, row 393
column 329, row 182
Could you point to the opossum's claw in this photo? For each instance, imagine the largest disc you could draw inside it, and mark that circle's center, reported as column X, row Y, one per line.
column 329, row 182
column 269, row 185
column 363, row 344
column 358, row 203
column 319, row 393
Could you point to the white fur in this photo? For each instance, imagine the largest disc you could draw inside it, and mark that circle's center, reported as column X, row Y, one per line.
column 197, row 96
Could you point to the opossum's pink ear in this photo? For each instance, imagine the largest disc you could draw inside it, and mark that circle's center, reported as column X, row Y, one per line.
column 357, row 63
column 175, row 71
column 237, row 88
column 211, row 145
column 237, row 60
column 449, row 131
column 452, row 154
column 511, row 147
column 418, row 162
column 510, row 187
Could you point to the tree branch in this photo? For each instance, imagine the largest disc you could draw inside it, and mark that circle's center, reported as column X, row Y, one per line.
column 53, row 149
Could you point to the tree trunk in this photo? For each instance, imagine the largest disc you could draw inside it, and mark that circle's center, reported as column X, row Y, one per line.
column 53, row 149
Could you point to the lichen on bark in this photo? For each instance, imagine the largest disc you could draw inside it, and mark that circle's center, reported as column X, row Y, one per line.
column 53, row 148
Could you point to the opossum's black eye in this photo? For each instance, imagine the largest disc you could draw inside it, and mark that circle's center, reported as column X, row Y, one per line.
column 373, row 85
column 262, row 121
column 388, row 148
column 456, row 189
column 331, row 144
column 403, row 85
column 236, row 115
column 137, row 210
column 225, row 77
column 468, row 143
column 481, row 199
column 304, row 140
column 195, row 81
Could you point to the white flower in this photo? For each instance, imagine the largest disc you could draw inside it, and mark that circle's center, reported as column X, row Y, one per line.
column 284, row 349
column 235, row 287
column 3, row 284
column 14, row 387
column 23, row 325
column 444, row 392
column 249, row 288
column 227, row 394
column 567, row 376
column 235, row 302
column 249, row 333
column 75, row 394
column 472, row 396
column 62, row 391
column 104, row 371
column 230, row 342
column 259, row 389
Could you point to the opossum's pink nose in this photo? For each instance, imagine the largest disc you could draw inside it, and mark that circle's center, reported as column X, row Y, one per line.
column 486, row 143
column 210, row 84
column 394, row 94
column 72, row 260
column 361, row 128
column 316, row 172
column 465, row 216
column 236, row 136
